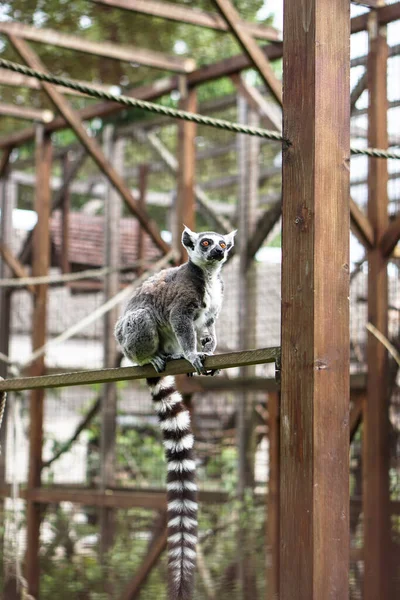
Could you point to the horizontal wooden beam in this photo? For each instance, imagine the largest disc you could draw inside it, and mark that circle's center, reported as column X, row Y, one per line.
column 174, row 367
column 360, row 225
column 390, row 238
column 29, row 114
column 109, row 498
column 191, row 16
column 18, row 80
column 386, row 14
column 149, row 58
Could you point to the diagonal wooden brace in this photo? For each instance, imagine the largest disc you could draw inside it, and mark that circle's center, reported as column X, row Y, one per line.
column 93, row 149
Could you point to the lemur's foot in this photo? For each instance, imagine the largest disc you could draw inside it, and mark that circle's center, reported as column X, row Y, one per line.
column 159, row 363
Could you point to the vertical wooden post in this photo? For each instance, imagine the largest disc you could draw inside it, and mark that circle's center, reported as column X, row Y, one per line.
column 114, row 150
column 65, row 208
column 248, row 150
column 314, row 490
column 143, row 177
column 376, row 419
column 185, row 200
column 40, row 266
column 273, row 497
column 7, row 202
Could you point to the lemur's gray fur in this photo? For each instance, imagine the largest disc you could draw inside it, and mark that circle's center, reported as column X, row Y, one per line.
column 172, row 315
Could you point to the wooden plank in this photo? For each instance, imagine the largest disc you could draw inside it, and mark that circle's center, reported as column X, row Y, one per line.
column 115, row 153
column 154, row 499
column 174, row 367
column 375, row 413
column 192, row 16
column 390, row 237
column 361, row 226
column 15, row 265
column 65, row 211
column 143, row 179
column 22, row 112
column 90, row 144
column 314, row 511
column 273, row 496
column 129, row 54
column 134, row 586
column 184, row 211
column 40, row 266
column 250, row 47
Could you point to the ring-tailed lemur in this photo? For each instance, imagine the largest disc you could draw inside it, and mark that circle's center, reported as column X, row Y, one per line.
column 172, row 315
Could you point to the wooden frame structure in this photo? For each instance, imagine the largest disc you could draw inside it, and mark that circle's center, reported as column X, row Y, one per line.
column 309, row 417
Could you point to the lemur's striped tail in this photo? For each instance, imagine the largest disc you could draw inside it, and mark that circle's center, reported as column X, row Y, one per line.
column 181, row 487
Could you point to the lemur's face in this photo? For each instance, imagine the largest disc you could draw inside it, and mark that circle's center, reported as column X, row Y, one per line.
column 207, row 249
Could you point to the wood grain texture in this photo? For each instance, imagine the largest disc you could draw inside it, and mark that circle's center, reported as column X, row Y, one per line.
column 315, row 309
column 174, row 367
column 375, row 410
column 89, row 143
column 40, row 266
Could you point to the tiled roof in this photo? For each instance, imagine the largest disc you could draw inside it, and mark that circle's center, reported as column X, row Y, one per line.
column 86, row 240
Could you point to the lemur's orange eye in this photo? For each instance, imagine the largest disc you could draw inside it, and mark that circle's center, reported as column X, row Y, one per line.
column 222, row 244
column 205, row 243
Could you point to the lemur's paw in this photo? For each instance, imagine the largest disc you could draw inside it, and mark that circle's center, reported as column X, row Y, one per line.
column 208, row 344
column 159, row 363
column 197, row 361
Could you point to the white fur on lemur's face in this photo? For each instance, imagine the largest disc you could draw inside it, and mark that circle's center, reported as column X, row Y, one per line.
column 207, row 249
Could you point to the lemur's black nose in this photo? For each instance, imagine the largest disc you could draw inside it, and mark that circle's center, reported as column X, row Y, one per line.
column 217, row 253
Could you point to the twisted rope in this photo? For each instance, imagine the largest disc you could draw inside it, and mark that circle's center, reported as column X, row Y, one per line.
column 149, row 106
column 173, row 112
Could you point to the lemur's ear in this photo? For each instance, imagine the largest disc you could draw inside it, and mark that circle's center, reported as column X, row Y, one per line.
column 230, row 237
column 189, row 238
